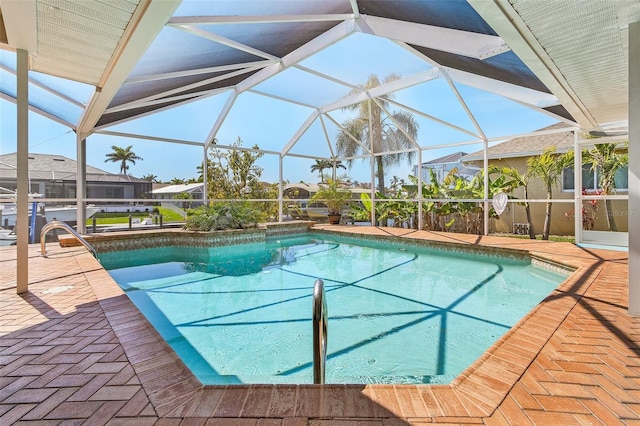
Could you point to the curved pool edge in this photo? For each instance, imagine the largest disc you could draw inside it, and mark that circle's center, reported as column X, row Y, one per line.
column 478, row 390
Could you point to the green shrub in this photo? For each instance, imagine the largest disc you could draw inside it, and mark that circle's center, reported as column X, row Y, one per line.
column 223, row 215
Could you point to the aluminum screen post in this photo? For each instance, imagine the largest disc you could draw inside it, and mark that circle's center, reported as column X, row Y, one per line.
column 319, row 332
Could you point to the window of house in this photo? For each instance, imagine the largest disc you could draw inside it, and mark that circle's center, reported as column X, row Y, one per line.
column 590, row 179
column 114, row 192
column 53, row 189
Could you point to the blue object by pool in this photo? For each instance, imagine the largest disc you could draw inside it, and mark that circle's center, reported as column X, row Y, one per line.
column 242, row 314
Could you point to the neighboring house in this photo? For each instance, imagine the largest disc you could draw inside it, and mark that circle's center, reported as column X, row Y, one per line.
column 516, row 152
column 444, row 165
column 300, row 193
column 54, row 176
column 304, row 191
column 183, row 191
column 192, row 192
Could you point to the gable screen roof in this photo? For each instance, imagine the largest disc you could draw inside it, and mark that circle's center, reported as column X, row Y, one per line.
column 198, row 38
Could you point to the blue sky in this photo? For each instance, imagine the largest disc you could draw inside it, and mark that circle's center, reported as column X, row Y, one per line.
column 271, row 123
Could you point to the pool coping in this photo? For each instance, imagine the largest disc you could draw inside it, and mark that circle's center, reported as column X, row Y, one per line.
column 478, row 391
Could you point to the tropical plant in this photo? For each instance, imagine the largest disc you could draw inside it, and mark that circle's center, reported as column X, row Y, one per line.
column 122, row 156
column 223, row 215
column 362, row 212
column 548, row 167
column 233, row 173
column 335, row 165
column 511, row 179
column 372, row 131
column 151, row 178
column 437, row 215
column 607, row 160
column 397, row 184
column 333, row 196
column 402, row 210
column 431, row 210
column 469, row 212
column 459, row 216
column 184, row 196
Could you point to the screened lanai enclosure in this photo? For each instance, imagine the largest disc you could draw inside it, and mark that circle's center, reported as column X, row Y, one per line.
column 380, row 88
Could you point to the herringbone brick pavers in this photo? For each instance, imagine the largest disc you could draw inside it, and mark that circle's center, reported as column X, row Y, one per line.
column 75, row 350
column 59, row 357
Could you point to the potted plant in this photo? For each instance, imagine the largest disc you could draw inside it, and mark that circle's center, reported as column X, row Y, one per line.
column 334, row 197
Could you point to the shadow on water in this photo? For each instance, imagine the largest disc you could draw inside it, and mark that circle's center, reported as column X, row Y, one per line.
column 441, row 313
column 429, row 313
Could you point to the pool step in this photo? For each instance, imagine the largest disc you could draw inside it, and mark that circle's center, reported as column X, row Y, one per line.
column 67, row 240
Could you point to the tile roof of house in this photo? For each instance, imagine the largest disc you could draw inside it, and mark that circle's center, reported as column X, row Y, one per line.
column 57, row 167
column 527, row 146
column 451, row 158
column 179, row 188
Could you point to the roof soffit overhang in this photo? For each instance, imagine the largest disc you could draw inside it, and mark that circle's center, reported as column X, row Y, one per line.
column 508, row 24
column 20, row 24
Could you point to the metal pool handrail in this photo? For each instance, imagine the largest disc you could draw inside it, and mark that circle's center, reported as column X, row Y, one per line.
column 319, row 332
column 61, row 225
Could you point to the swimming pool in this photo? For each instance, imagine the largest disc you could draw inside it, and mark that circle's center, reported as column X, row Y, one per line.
column 398, row 313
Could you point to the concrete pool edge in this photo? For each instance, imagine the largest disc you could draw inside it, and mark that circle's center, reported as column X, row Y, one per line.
column 478, row 391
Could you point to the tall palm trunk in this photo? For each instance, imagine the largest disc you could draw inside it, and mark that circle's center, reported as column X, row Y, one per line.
column 376, row 145
column 611, row 220
column 380, row 174
column 527, row 210
column 606, row 185
column 547, row 217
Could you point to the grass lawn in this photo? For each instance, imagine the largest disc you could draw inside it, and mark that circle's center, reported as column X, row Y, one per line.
column 560, row 238
column 115, row 218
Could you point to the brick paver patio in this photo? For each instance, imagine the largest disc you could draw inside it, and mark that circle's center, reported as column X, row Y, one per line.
column 75, row 350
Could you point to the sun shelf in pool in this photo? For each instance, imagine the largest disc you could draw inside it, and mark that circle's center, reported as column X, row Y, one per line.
column 242, row 314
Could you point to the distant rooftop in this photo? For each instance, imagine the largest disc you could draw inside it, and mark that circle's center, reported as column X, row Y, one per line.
column 179, row 188
column 57, row 167
column 534, row 145
column 451, row 158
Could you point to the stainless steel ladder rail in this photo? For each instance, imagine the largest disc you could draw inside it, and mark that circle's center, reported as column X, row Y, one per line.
column 320, row 323
column 61, row 225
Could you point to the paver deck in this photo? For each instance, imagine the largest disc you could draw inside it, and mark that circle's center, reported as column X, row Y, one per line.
column 75, row 350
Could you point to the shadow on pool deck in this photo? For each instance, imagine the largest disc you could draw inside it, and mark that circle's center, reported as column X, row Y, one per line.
column 83, row 351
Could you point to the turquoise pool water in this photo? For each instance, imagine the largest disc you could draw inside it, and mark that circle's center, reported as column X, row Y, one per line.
column 242, row 314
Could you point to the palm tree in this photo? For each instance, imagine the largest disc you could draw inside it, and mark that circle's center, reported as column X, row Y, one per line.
column 397, row 184
column 548, row 167
column 151, row 178
column 335, row 165
column 376, row 132
column 123, row 156
column 320, row 166
column 607, row 161
column 512, row 179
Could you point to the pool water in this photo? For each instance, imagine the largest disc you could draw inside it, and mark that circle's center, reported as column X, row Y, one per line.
column 397, row 314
